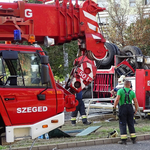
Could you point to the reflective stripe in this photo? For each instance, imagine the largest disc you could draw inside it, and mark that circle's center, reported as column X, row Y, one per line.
column 84, row 116
column 89, row 66
column 89, row 16
column 73, row 118
column 93, row 27
column 132, row 135
column 124, row 136
column 96, row 37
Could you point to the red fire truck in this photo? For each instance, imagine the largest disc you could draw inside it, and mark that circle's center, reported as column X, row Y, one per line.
column 128, row 61
column 31, row 103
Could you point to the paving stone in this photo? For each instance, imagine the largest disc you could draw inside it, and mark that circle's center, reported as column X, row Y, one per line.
column 115, row 140
column 34, row 148
column 147, row 137
column 24, row 148
column 99, row 142
column 107, row 141
column 72, row 144
column 62, row 145
column 90, row 142
column 140, row 138
column 82, row 143
column 43, row 147
column 52, row 146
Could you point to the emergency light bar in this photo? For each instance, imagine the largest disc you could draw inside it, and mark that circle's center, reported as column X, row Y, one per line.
column 17, row 35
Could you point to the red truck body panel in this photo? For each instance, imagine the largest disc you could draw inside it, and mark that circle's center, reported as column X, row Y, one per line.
column 143, row 88
column 21, row 103
column 140, row 87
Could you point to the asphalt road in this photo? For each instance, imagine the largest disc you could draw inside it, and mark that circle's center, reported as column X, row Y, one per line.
column 140, row 145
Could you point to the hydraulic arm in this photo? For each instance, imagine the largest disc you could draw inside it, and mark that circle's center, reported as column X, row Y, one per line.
column 61, row 21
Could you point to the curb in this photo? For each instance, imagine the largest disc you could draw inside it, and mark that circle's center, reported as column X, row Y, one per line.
column 82, row 143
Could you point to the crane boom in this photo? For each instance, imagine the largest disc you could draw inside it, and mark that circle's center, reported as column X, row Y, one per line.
column 61, row 21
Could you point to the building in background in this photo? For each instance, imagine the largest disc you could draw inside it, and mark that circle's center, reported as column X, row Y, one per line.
column 131, row 10
column 131, row 5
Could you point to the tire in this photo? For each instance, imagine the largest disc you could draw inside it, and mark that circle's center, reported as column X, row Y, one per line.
column 109, row 60
column 117, row 49
column 98, row 63
column 138, row 49
column 145, row 67
column 130, row 50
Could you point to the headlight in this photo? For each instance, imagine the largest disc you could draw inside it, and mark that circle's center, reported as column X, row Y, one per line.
column 147, row 60
column 139, row 58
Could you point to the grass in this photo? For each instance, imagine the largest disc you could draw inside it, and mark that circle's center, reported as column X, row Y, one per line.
column 142, row 127
column 3, row 147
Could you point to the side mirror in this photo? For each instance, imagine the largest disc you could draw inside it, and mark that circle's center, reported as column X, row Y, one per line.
column 44, row 59
column 45, row 74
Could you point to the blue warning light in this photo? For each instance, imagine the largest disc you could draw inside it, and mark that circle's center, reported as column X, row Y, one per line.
column 17, row 35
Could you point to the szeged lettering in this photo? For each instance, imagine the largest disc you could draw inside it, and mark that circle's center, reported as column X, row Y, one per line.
column 32, row 109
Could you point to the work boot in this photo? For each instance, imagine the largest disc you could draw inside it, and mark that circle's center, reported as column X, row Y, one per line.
column 123, row 141
column 87, row 123
column 73, row 122
column 135, row 122
column 133, row 140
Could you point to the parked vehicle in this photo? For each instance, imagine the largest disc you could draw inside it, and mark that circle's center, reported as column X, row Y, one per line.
column 31, row 103
column 131, row 63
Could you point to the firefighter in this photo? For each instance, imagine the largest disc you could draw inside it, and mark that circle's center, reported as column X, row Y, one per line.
column 119, row 86
column 126, row 112
column 81, row 109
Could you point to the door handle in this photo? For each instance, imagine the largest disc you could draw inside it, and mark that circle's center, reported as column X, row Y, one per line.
column 7, row 99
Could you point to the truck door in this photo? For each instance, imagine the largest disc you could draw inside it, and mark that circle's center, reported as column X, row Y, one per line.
column 20, row 86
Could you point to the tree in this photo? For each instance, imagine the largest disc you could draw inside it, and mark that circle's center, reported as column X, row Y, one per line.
column 138, row 33
column 117, row 23
column 122, row 34
column 56, row 58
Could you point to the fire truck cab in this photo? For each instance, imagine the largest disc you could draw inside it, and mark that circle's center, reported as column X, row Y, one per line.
column 30, row 102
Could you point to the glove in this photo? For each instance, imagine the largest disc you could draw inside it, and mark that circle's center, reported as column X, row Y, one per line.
column 114, row 111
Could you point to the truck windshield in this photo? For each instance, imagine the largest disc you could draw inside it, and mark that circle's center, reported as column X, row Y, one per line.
column 24, row 71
